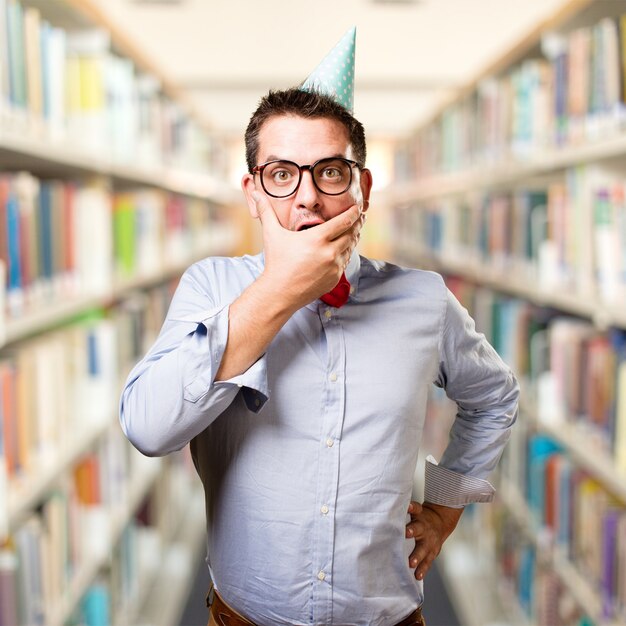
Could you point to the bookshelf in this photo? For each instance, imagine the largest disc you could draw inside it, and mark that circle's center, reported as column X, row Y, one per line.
column 575, row 581
column 38, row 321
column 602, row 315
column 118, row 518
column 18, row 151
column 24, row 495
column 165, row 599
column 576, row 441
column 513, row 190
column 106, row 197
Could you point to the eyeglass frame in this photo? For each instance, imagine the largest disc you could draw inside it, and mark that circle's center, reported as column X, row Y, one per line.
column 258, row 169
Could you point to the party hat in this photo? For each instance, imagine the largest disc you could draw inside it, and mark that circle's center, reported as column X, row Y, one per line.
column 334, row 76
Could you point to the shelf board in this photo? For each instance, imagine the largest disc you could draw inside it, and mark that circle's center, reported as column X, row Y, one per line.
column 120, row 516
column 594, row 461
column 601, row 314
column 55, row 158
column 51, row 315
column 25, row 493
column 543, row 162
column 57, row 312
column 580, row 443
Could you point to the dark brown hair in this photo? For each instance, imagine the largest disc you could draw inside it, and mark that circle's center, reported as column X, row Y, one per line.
column 305, row 104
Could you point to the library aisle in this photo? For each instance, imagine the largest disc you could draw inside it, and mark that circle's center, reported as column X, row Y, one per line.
column 496, row 138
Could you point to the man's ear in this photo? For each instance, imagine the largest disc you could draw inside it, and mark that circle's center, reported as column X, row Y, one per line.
column 366, row 187
column 248, row 186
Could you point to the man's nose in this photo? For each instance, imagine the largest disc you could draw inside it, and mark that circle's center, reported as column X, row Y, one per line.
column 308, row 194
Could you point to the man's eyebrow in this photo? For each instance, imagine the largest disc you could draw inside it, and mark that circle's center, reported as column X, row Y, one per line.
column 274, row 157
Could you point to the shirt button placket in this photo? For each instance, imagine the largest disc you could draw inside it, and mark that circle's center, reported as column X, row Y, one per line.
column 332, row 409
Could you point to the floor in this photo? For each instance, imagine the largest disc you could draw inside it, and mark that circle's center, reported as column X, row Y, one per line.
column 438, row 609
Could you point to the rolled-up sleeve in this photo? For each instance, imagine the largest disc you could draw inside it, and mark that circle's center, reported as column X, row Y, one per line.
column 485, row 391
column 171, row 395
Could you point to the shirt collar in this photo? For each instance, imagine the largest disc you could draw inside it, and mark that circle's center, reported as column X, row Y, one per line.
column 352, row 272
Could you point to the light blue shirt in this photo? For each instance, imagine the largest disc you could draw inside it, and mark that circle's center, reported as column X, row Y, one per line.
column 308, row 457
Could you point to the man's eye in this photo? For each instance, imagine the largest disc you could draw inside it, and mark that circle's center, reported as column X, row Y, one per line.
column 331, row 172
column 281, row 176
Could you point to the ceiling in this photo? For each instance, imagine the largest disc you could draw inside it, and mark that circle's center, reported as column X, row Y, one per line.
column 410, row 53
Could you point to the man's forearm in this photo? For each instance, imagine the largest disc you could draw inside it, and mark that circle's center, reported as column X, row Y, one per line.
column 255, row 318
column 299, row 267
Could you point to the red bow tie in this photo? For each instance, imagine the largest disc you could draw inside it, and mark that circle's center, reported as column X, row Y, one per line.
column 339, row 294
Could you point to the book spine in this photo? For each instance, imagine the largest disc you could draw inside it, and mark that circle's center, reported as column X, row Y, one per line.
column 610, row 525
column 4, row 469
column 32, row 61
column 15, row 53
column 46, row 233
column 15, row 295
column 4, row 59
column 96, row 606
column 8, row 587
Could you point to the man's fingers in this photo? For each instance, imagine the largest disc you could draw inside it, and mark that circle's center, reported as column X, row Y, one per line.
column 415, row 529
column 346, row 243
column 415, row 508
column 339, row 224
column 417, row 556
column 265, row 210
column 421, row 560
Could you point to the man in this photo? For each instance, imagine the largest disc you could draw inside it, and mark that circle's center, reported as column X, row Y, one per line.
column 305, row 414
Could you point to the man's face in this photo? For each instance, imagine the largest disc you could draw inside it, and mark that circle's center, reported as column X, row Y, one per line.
column 305, row 141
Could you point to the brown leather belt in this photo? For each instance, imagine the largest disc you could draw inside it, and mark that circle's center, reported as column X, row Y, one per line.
column 225, row 616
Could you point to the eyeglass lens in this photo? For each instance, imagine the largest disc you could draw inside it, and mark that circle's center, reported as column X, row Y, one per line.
column 331, row 176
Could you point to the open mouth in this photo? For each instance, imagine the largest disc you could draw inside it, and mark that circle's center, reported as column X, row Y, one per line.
column 307, row 225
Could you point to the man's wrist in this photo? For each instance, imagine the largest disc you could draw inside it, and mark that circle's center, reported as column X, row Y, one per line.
column 277, row 300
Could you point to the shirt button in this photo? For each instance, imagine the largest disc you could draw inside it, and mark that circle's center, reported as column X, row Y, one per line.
column 257, row 402
column 333, row 377
column 328, row 314
column 325, row 509
column 330, row 442
column 321, row 575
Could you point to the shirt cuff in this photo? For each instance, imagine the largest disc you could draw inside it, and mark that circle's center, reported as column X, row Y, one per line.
column 449, row 488
column 253, row 384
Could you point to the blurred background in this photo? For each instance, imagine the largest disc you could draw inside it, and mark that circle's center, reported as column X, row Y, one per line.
column 497, row 140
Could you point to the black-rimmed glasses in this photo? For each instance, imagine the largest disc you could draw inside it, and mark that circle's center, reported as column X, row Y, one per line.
column 332, row 176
